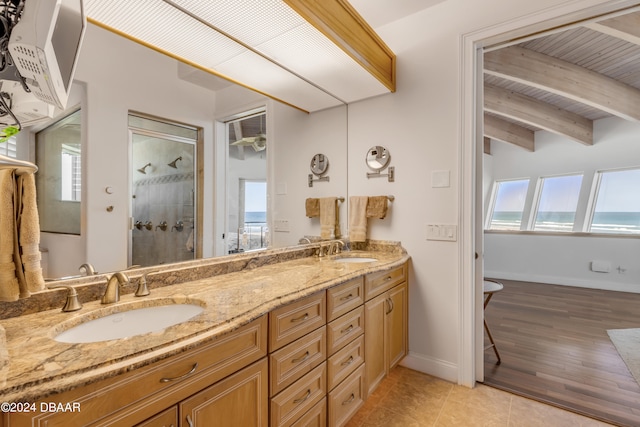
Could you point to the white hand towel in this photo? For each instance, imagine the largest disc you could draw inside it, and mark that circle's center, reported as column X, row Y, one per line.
column 358, row 218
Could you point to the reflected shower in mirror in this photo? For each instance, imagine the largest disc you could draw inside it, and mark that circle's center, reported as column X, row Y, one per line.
column 164, row 195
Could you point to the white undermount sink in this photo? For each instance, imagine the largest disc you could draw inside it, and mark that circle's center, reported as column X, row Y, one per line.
column 129, row 323
column 354, row 259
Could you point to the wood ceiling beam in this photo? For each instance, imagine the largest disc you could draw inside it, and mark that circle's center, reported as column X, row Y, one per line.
column 487, row 145
column 566, row 79
column 502, row 130
column 624, row 27
column 343, row 25
column 536, row 113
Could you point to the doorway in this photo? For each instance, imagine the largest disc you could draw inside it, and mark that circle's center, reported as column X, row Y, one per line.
column 247, row 183
column 472, row 163
column 163, row 192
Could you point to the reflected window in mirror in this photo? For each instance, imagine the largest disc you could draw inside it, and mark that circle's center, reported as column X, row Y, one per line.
column 247, row 182
column 9, row 147
column 58, row 181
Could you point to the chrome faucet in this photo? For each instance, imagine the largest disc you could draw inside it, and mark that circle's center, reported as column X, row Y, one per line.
column 88, row 269
column 112, row 293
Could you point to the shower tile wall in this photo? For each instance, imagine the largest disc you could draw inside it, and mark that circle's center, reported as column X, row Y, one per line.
column 163, row 194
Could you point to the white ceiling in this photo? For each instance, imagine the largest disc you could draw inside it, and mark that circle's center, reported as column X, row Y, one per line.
column 381, row 12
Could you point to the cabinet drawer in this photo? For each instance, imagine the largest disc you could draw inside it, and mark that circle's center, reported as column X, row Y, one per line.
column 296, row 359
column 288, row 406
column 345, row 400
column 344, row 329
column 344, row 298
column 344, row 362
column 377, row 283
column 135, row 396
column 316, row 417
column 168, row 418
column 288, row 323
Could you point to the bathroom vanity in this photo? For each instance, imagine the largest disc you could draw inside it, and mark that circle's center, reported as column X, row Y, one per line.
column 286, row 340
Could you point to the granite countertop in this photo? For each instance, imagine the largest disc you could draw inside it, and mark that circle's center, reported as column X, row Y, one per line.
column 34, row 366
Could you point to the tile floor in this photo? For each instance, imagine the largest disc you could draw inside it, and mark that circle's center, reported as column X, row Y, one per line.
column 407, row 398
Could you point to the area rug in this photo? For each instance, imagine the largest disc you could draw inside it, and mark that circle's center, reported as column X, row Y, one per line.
column 627, row 342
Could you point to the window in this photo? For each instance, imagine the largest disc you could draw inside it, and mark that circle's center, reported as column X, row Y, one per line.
column 508, row 204
column 556, row 210
column 8, row 148
column 58, row 181
column 617, row 202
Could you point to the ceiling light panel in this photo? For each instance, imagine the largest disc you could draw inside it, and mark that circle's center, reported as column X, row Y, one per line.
column 273, row 29
column 159, row 24
column 278, row 53
column 251, row 21
column 256, row 71
column 307, row 52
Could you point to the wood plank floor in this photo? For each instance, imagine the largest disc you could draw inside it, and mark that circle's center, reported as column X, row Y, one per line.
column 554, row 347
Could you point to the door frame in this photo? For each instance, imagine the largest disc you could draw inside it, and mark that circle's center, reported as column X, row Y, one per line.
column 470, row 274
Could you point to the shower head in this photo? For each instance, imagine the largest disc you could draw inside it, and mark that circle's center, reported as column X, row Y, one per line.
column 173, row 164
column 142, row 169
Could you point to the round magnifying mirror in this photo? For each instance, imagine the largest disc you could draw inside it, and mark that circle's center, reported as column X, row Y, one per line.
column 378, row 158
column 319, row 164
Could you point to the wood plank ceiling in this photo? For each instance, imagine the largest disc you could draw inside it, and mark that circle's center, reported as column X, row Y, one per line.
column 562, row 82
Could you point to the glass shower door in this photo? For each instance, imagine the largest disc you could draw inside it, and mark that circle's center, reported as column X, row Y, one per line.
column 163, row 202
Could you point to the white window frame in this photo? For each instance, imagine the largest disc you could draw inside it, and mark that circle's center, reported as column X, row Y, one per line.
column 492, row 205
column 595, row 190
column 535, row 206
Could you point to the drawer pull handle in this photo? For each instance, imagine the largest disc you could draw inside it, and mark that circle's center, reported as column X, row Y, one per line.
column 193, row 369
column 346, row 330
column 387, row 278
column 349, row 361
column 301, row 318
column 347, row 297
column 189, row 421
column 350, row 399
column 302, row 399
column 301, row 359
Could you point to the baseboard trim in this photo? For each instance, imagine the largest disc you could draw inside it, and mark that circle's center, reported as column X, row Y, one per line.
column 438, row 368
column 564, row 281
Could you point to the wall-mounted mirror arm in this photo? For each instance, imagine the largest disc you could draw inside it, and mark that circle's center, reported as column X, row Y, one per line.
column 311, row 180
column 390, row 174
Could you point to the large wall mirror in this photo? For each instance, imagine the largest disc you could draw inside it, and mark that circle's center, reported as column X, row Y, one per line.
column 116, row 76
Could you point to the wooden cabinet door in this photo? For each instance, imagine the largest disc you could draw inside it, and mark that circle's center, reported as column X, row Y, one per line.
column 374, row 341
column 168, row 418
column 396, row 329
column 239, row 400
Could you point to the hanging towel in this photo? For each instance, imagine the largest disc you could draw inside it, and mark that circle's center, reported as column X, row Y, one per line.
column 377, row 207
column 312, row 207
column 358, row 218
column 328, row 206
column 28, row 228
column 190, row 246
column 9, row 286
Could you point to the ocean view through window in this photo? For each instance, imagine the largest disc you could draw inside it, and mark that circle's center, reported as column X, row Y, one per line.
column 557, row 203
column 508, row 204
column 617, row 203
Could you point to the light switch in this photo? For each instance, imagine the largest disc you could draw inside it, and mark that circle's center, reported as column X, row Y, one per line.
column 444, row 232
column 281, row 225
